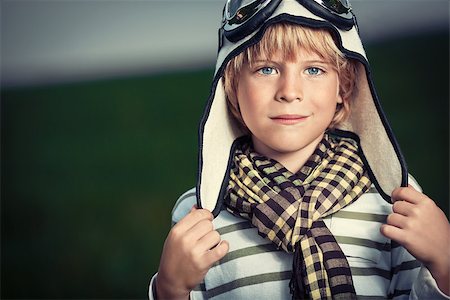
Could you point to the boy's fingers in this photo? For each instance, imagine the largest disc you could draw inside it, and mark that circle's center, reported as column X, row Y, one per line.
column 217, row 253
column 403, row 208
column 208, row 241
column 397, row 220
column 410, row 186
column 408, row 194
column 196, row 215
column 393, row 233
column 199, row 230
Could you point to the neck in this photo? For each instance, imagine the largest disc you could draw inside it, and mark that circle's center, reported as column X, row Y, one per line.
column 291, row 160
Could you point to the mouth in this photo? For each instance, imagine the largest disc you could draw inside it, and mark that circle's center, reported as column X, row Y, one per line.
column 289, row 119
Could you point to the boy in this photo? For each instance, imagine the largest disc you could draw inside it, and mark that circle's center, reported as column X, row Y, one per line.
column 296, row 164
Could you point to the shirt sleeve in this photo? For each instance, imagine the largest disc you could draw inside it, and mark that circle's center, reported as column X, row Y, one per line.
column 411, row 280
column 425, row 287
column 152, row 288
column 197, row 293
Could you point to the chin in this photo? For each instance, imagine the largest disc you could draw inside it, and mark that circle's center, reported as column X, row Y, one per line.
column 288, row 147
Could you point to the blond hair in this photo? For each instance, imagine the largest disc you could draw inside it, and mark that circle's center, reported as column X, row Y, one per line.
column 288, row 38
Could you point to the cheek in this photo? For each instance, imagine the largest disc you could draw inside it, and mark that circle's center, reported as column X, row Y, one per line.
column 247, row 111
column 326, row 97
column 248, row 102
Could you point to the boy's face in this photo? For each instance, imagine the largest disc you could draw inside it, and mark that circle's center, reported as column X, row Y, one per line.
column 288, row 105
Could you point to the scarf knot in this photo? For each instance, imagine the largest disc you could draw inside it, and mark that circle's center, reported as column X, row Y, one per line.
column 287, row 208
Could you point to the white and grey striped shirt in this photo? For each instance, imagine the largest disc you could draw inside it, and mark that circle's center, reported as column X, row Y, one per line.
column 255, row 269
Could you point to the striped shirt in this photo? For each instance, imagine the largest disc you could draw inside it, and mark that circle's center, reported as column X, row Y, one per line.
column 255, row 269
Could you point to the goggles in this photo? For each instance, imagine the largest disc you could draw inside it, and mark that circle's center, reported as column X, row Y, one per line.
column 242, row 17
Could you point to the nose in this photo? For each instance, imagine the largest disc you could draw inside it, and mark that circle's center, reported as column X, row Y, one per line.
column 290, row 87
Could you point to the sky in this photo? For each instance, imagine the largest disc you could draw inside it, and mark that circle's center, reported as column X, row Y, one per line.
column 50, row 41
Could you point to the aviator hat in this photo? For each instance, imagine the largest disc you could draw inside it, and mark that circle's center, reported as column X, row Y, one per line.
column 243, row 25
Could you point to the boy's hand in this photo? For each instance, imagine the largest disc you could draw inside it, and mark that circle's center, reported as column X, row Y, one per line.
column 423, row 229
column 190, row 249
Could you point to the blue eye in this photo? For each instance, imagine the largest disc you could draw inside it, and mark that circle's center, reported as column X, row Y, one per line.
column 314, row 71
column 267, row 70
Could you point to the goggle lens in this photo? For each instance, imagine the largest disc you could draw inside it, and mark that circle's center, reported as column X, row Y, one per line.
column 237, row 12
column 337, row 6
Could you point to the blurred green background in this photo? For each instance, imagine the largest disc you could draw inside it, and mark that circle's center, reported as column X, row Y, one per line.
column 91, row 170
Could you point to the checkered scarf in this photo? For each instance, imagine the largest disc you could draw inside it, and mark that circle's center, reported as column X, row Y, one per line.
column 288, row 209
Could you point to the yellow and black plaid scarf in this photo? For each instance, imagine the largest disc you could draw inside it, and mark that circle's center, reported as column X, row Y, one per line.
column 288, row 208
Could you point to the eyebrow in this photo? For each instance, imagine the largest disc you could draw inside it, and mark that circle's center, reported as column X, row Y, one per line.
column 312, row 61
column 262, row 61
column 315, row 61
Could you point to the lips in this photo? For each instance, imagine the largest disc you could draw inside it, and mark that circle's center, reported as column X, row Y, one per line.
column 289, row 119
